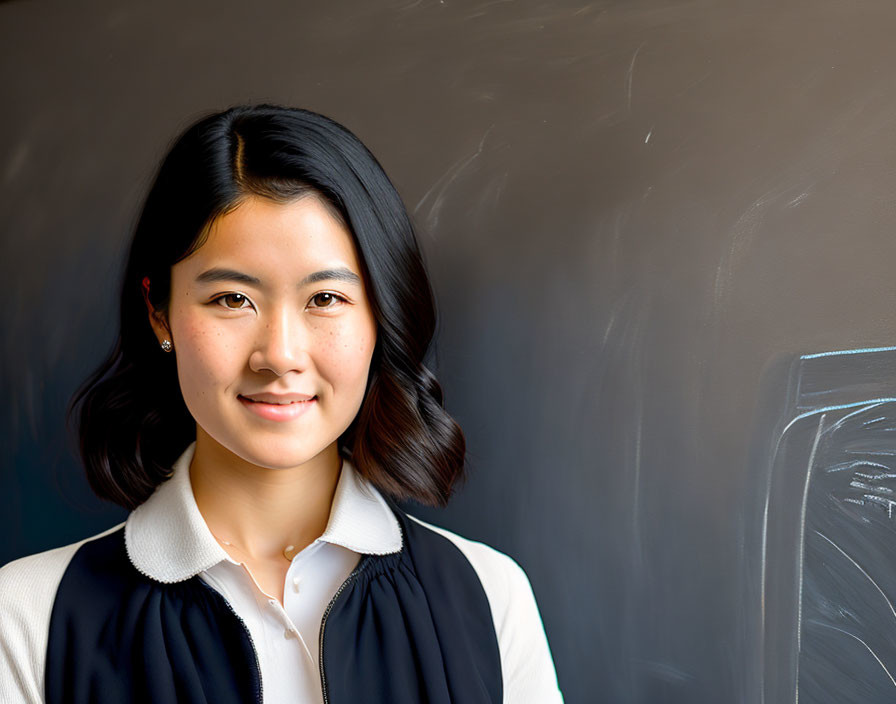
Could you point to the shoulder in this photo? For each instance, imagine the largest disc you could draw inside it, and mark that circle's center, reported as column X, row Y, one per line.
column 526, row 663
column 27, row 582
column 27, row 591
column 501, row 577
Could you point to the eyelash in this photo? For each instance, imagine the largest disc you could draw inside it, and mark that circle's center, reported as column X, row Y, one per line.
column 335, row 296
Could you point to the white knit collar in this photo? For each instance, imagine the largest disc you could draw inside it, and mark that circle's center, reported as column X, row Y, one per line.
column 168, row 540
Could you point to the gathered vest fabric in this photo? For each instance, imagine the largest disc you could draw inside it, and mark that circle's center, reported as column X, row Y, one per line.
column 410, row 627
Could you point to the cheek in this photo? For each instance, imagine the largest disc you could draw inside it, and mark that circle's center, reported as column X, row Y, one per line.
column 208, row 355
column 345, row 353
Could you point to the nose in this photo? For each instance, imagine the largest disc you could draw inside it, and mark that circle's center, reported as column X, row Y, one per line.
column 283, row 343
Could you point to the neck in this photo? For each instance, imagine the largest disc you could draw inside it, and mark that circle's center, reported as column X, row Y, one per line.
column 262, row 510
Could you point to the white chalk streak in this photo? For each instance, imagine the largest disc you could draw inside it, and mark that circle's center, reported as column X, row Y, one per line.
column 868, row 487
column 886, row 503
column 802, row 544
column 799, row 199
column 860, row 569
column 848, row 417
column 847, row 633
column 870, row 403
column 839, row 352
column 630, row 75
column 442, row 184
column 854, row 464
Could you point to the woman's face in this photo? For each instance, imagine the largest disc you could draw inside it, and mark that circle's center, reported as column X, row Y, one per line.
column 272, row 331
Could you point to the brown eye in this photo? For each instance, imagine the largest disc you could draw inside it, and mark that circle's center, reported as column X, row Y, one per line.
column 233, row 301
column 326, row 299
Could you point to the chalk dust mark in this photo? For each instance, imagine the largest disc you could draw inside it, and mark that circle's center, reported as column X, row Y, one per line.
column 849, row 416
column 741, row 237
column 868, row 487
column 630, row 75
column 664, row 671
column 881, row 501
column 634, row 335
column 802, row 539
column 439, row 189
column 502, row 183
column 857, row 463
column 18, row 159
column 872, row 477
column 861, row 405
column 609, row 328
column 799, row 199
column 695, row 82
column 484, row 7
column 487, row 5
column 842, row 353
column 636, row 498
column 868, row 647
column 763, row 559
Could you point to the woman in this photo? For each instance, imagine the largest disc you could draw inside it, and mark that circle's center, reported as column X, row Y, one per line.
column 265, row 405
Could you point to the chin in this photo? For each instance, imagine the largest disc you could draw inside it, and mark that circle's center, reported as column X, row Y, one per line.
column 278, row 448
column 272, row 454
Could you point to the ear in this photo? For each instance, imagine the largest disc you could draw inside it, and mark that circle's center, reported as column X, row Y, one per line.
column 157, row 319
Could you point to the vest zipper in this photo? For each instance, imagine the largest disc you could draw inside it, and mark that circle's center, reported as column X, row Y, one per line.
column 259, row 697
column 362, row 565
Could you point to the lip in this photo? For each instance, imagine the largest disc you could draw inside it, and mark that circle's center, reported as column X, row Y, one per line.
column 272, row 397
column 278, row 407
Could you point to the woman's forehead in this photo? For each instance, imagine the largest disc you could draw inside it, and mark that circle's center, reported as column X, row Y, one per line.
column 276, row 240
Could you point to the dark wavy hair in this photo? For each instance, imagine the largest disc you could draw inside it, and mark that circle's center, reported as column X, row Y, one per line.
column 130, row 415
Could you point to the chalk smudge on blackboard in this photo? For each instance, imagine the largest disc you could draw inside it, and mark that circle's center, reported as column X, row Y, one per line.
column 828, row 552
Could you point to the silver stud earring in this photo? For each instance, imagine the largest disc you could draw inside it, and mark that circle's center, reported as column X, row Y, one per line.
column 167, row 346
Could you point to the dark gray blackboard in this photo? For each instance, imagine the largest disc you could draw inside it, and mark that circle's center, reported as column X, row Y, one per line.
column 642, row 219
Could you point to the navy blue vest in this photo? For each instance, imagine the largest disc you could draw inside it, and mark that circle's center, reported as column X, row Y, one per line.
column 405, row 628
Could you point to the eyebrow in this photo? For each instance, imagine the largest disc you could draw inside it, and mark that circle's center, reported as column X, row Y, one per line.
column 218, row 274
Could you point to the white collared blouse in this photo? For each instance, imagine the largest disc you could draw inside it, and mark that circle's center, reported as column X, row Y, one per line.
column 168, row 540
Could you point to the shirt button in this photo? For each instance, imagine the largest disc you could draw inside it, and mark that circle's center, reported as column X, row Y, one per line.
column 272, row 602
column 289, row 633
column 295, row 584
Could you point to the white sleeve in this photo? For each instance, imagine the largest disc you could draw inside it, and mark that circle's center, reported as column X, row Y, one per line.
column 27, row 592
column 526, row 665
